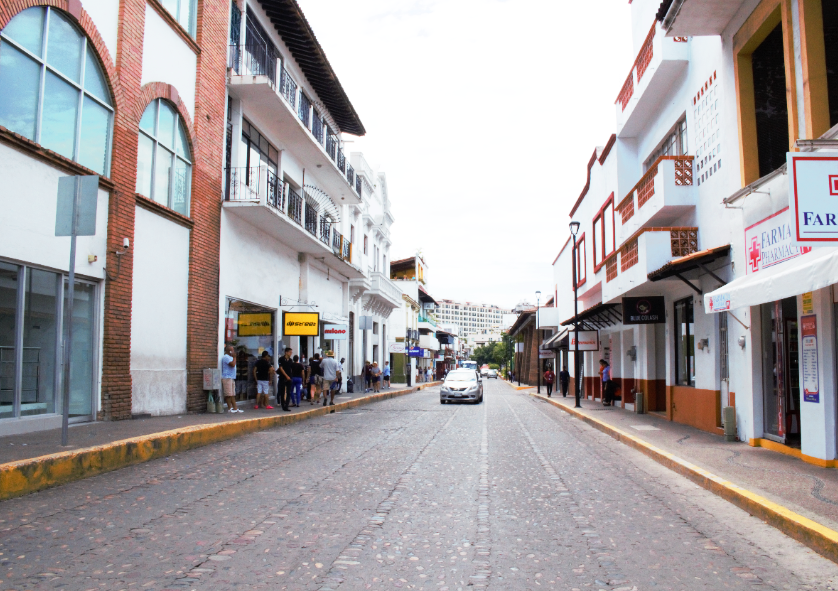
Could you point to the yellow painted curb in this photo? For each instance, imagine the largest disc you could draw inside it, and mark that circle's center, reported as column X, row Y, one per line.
column 793, row 452
column 31, row 475
column 819, row 538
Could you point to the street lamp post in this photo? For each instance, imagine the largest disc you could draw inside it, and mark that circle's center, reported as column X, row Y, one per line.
column 537, row 346
column 574, row 229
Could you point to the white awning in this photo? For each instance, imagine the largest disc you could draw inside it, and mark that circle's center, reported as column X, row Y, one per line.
column 811, row 271
column 553, row 341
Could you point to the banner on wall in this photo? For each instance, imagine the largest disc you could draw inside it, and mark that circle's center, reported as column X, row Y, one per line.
column 300, row 324
column 255, row 325
column 809, row 358
column 336, row 332
column 396, row 348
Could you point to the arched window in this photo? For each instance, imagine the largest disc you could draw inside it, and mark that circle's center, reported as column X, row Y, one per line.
column 164, row 163
column 52, row 89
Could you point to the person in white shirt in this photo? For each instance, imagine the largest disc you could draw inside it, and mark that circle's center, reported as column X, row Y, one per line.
column 331, row 375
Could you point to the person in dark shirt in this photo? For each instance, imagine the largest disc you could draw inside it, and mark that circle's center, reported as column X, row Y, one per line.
column 315, row 378
column 564, row 380
column 285, row 370
column 263, row 372
column 297, row 371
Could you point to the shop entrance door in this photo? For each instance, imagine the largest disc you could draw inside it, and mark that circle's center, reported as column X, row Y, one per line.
column 781, row 372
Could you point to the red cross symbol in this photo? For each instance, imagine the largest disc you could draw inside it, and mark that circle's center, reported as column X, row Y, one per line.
column 754, row 256
column 833, row 184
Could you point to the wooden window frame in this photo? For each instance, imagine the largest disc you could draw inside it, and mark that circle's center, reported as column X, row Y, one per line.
column 762, row 21
column 580, row 262
column 600, row 248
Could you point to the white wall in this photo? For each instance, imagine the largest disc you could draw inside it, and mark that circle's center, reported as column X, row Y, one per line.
column 167, row 58
column 105, row 15
column 158, row 320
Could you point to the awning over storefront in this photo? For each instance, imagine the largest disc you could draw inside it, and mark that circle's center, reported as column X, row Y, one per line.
column 697, row 260
column 597, row 316
column 557, row 341
column 815, row 270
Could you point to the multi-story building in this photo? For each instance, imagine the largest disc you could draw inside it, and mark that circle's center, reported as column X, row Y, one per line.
column 471, row 317
column 304, row 228
column 225, row 198
column 421, row 345
column 687, row 261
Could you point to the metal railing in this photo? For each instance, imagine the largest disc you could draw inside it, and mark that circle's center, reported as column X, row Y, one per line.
column 253, row 60
column 288, row 88
column 341, row 161
column 358, row 185
column 317, row 127
column 295, row 206
column 310, row 219
column 275, row 194
column 325, row 226
column 346, row 249
column 336, row 242
column 304, row 110
column 251, row 184
column 332, row 146
column 350, row 174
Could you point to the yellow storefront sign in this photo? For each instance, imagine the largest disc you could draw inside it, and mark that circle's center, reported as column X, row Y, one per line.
column 300, row 324
column 255, row 325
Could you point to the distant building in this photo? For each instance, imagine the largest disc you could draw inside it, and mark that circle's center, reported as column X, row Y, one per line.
column 472, row 318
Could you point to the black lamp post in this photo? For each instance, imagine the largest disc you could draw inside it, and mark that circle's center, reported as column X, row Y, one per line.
column 574, row 229
column 537, row 346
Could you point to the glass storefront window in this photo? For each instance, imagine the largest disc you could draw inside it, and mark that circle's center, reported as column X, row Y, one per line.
column 250, row 329
column 684, row 343
column 31, row 333
column 8, row 310
column 780, row 371
column 40, row 343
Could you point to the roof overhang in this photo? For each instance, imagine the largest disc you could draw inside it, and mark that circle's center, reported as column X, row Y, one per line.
column 558, row 341
column 291, row 24
column 698, row 260
column 597, row 317
column 696, row 18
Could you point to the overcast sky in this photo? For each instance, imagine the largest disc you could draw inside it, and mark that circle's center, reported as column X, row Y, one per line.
column 483, row 114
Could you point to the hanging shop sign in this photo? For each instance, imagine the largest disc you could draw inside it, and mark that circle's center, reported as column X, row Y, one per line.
column 813, row 188
column 396, row 348
column 809, row 358
column 336, row 332
column 415, row 352
column 255, row 325
column 428, row 306
column 719, row 302
column 771, row 242
column 546, row 354
column 588, row 340
column 648, row 310
column 300, row 324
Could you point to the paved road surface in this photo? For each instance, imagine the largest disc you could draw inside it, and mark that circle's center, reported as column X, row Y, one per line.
column 407, row 493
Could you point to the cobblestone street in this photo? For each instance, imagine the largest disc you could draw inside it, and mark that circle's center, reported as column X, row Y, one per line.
column 405, row 493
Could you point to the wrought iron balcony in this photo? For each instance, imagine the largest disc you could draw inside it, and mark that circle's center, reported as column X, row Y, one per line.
column 358, row 185
column 341, row 161
column 325, row 230
column 295, row 206
column 252, row 60
column 350, row 174
column 288, row 88
column 332, row 146
column 317, row 127
column 304, row 111
column 251, row 184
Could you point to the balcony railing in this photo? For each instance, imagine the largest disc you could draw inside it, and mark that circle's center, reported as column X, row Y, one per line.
column 250, row 184
column 358, row 185
column 346, row 249
column 641, row 63
column 325, row 230
column 295, row 207
column 311, row 219
column 257, row 60
column 644, row 190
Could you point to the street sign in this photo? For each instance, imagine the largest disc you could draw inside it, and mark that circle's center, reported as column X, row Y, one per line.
column 415, row 352
column 588, row 340
column 336, row 332
column 813, row 188
column 81, row 192
column 365, row 322
column 648, row 310
column 75, row 215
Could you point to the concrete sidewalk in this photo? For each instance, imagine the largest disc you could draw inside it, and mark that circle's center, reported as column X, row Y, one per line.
column 35, row 461
column 723, row 467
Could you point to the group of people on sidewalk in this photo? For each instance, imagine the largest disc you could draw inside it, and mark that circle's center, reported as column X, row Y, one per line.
column 564, row 380
column 293, row 380
column 374, row 375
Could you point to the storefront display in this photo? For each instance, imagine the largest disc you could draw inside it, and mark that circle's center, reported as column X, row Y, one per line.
column 250, row 329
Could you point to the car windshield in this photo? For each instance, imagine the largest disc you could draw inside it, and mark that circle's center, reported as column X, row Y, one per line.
column 461, row 376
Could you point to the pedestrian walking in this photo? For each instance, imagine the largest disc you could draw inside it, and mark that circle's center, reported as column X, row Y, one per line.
column 605, row 373
column 375, row 371
column 228, row 378
column 549, row 378
column 342, row 361
column 315, row 378
column 367, row 377
column 285, row 369
column 386, row 375
column 331, row 378
column 564, row 380
column 297, row 371
column 427, row 374
column 263, row 373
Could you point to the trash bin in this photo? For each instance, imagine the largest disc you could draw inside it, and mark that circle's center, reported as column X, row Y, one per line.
column 639, row 403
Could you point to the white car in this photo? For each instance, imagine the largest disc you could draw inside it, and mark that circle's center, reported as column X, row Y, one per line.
column 484, row 371
column 493, row 373
column 462, row 385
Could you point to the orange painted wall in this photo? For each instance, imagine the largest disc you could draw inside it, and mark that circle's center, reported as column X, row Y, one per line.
column 695, row 407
